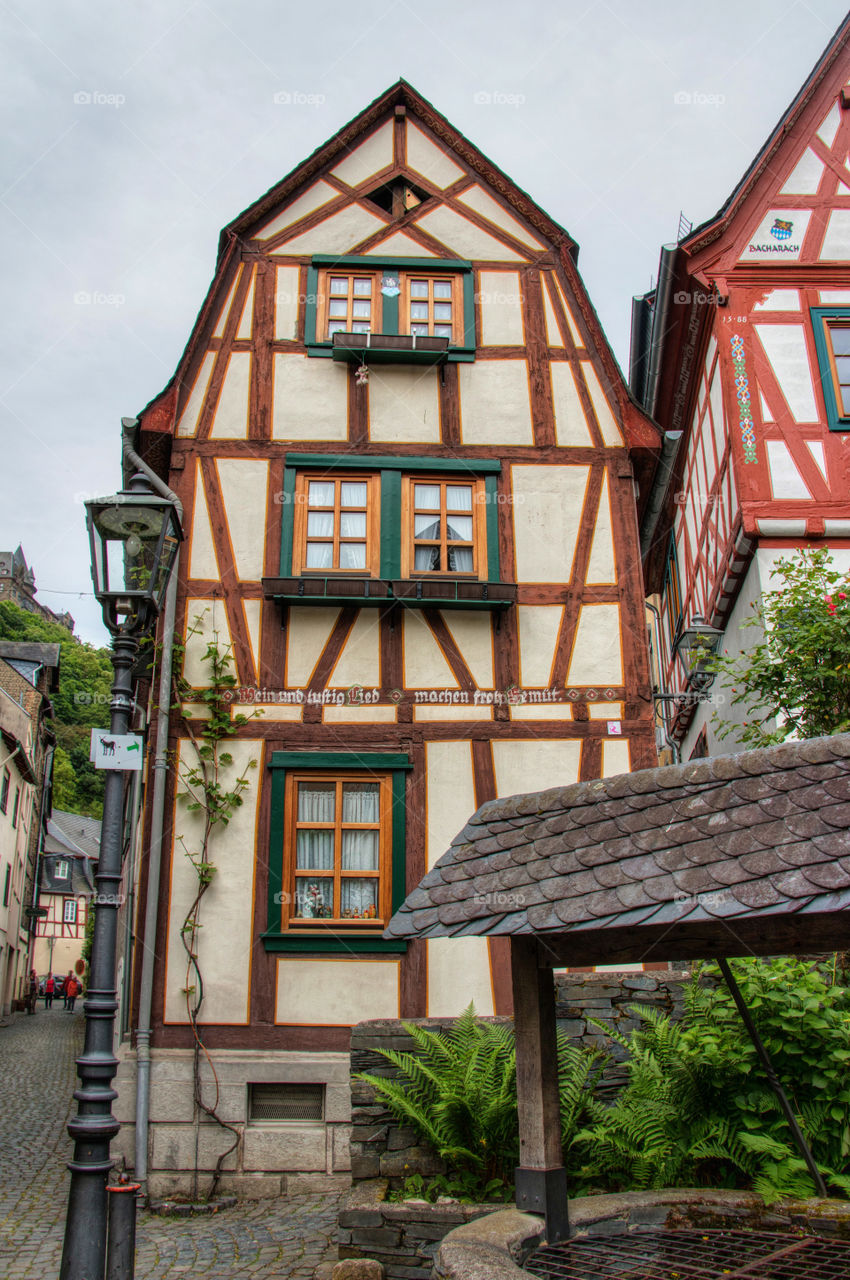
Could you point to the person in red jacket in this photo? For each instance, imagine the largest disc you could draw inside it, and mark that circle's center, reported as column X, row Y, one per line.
column 48, row 991
column 72, row 990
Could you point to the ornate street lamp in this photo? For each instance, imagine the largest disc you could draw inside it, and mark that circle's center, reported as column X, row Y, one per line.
column 134, row 538
column 696, row 646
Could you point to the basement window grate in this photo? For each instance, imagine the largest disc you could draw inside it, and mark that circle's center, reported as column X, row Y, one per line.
column 694, row 1255
column 302, row 1103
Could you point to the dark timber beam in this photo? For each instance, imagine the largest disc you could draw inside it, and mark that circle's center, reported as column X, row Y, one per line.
column 541, row 1179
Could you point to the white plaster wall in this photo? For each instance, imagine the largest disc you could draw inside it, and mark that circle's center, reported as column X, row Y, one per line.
column 205, row 619
column 604, row 416
column 253, row 612
column 464, row 238
column 428, row 159
column 597, row 657
column 230, row 421
column 307, row 635
column 785, row 479
column 535, row 764
column 482, row 202
column 425, row 665
column 202, row 558
column 321, row 193
column 836, row 242
column 188, row 423
column 218, row 331
column 337, row 234
column 444, row 711
column 359, row 661
column 399, row 245
column 601, row 567
column 553, row 333
column 785, row 348
column 615, row 757
column 404, row 405
column 574, row 333
column 570, row 423
column 804, row 178
column 370, row 157
column 547, row 509
column 228, row 903
column 246, row 320
column 370, row 714
column 244, row 483
column 501, row 309
column 473, row 634
column 538, row 633
column 495, row 407
column 286, row 302
column 450, row 795
column 336, row 992
column 310, row 399
column 459, row 973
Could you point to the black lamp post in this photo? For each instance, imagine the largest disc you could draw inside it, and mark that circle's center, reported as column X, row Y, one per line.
column 134, row 537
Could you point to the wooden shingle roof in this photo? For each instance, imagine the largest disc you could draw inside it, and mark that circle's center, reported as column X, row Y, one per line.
column 734, row 855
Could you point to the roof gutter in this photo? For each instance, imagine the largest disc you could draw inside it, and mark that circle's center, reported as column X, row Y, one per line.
column 652, row 373
column 160, row 774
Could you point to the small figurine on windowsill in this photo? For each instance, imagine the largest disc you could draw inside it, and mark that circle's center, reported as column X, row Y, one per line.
column 313, row 907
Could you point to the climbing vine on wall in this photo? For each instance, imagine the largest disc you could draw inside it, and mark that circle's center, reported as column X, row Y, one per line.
column 208, row 790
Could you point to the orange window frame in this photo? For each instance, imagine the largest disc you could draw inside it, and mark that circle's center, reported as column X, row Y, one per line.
column 291, row 874
column 302, row 511
column 479, row 528
column 404, row 321
column 324, row 299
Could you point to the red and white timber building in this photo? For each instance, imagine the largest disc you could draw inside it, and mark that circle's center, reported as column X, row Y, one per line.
column 742, row 355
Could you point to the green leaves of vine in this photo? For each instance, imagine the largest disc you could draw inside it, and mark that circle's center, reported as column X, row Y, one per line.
column 209, row 792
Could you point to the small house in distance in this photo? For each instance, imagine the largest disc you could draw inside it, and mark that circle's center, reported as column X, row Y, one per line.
column 66, row 888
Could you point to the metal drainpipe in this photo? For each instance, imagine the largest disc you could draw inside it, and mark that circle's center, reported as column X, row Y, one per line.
column 674, row 746
column 160, row 773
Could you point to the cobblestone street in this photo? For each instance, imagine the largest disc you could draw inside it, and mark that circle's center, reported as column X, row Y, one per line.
column 264, row 1240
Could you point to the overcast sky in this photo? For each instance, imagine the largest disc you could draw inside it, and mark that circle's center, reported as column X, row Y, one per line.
column 135, row 132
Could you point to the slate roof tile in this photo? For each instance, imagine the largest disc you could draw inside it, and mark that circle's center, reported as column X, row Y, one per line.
column 760, row 833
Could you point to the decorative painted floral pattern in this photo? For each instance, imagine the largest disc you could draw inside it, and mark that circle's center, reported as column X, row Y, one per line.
column 742, row 391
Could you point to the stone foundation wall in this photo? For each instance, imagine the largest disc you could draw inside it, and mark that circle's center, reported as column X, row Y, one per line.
column 383, row 1148
column 272, row 1158
column 404, row 1238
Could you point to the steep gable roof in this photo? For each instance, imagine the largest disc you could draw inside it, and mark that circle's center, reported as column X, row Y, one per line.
column 772, row 164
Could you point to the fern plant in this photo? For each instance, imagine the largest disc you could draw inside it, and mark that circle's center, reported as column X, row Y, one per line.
column 698, row 1109
column 458, row 1093
column 662, row 1130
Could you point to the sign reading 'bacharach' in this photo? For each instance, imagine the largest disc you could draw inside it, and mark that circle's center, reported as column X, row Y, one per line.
column 780, row 232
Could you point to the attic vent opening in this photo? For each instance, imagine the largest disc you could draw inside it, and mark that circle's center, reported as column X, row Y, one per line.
column 397, row 197
column 303, row 1103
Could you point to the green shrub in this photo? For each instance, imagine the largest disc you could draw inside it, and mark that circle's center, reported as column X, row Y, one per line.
column 458, row 1093
column 698, row 1110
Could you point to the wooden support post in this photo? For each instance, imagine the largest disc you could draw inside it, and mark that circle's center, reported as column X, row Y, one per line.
column 541, row 1179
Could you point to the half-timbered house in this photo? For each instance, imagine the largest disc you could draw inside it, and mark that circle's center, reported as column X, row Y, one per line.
column 741, row 354
column 65, row 892
column 408, row 466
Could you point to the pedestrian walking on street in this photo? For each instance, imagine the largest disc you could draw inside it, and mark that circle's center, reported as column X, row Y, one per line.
column 72, row 990
column 65, row 993
column 32, row 991
column 48, row 991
